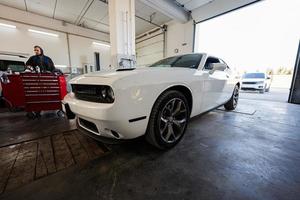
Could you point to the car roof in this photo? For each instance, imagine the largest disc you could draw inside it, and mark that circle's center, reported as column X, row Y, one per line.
column 13, row 58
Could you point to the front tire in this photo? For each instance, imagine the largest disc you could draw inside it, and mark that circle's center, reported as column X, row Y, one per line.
column 232, row 103
column 268, row 89
column 168, row 120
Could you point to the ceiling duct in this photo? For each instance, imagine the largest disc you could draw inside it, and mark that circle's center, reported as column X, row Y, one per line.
column 169, row 8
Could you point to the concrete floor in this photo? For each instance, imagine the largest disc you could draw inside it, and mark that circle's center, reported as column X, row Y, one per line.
column 275, row 94
column 253, row 153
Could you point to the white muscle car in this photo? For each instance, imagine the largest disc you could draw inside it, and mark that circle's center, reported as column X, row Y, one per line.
column 155, row 101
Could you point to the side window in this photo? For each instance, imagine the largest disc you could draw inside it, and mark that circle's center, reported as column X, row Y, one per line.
column 222, row 61
column 2, row 67
column 209, row 61
column 15, row 66
column 188, row 61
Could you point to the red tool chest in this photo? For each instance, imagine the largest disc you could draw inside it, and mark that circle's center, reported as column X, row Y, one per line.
column 35, row 91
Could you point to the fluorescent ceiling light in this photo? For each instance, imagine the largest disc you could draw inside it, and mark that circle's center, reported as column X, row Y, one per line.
column 7, row 25
column 61, row 66
column 42, row 32
column 101, row 44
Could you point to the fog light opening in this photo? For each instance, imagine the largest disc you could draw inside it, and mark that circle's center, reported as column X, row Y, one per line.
column 114, row 133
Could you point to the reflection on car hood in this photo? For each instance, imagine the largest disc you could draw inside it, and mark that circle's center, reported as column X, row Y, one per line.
column 125, row 72
column 110, row 76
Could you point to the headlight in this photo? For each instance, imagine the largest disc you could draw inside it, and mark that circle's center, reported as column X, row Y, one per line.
column 107, row 94
column 94, row 93
column 260, row 82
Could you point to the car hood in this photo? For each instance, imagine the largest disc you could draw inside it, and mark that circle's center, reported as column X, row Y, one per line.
column 110, row 76
column 252, row 79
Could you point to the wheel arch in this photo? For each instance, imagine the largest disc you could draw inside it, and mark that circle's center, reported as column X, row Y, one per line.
column 186, row 91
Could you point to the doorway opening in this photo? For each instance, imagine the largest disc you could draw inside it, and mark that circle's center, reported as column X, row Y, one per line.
column 260, row 38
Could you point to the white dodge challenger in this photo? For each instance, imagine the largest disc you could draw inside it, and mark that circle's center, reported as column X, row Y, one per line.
column 155, row 101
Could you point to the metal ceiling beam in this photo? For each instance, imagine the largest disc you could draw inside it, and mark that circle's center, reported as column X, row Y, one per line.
column 104, row 1
column 54, row 10
column 84, row 11
column 149, row 21
column 25, row 5
column 169, row 8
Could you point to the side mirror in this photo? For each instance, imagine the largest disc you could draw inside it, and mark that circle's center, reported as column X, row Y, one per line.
column 217, row 67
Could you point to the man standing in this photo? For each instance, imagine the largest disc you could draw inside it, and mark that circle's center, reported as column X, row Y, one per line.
column 40, row 63
column 44, row 63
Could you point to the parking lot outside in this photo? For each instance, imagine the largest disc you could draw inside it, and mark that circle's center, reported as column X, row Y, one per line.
column 279, row 91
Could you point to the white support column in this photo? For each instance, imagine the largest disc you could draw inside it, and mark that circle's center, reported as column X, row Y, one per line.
column 122, row 32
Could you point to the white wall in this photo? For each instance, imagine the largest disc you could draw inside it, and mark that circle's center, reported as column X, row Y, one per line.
column 82, row 52
column 179, row 37
column 20, row 40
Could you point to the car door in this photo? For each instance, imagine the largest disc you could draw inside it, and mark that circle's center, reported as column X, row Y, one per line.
column 215, row 85
column 230, row 83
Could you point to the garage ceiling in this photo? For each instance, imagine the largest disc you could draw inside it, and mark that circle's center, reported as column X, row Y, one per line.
column 92, row 14
column 193, row 4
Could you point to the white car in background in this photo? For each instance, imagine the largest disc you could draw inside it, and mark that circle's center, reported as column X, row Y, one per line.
column 155, row 101
column 256, row 81
column 13, row 62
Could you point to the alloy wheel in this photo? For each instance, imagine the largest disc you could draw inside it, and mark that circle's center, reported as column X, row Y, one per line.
column 235, row 96
column 172, row 120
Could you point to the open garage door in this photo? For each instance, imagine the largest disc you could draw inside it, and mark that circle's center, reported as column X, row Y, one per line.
column 295, row 87
column 258, row 41
column 203, row 10
column 150, row 47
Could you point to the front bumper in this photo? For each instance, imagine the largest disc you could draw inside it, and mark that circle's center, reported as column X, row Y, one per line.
column 105, row 120
column 106, row 140
column 252, row 87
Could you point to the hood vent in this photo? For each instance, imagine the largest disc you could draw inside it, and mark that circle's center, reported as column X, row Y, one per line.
column 125, row 69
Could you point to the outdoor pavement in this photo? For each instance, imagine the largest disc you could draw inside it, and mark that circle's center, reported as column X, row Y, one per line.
column 275, row 94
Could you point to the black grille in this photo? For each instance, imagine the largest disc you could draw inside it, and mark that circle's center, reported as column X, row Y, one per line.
column 249, row 82
column 89, row 125
column 91, row 93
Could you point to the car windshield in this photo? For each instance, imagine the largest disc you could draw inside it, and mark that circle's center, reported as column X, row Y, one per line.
column 15, row 66
column 186, row 61
column 254, row 75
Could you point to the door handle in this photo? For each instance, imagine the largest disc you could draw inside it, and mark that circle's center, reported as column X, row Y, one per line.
column 227, row 75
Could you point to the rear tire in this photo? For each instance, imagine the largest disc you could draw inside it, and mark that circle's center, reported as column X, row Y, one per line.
column 168, row 120
column 232, row 103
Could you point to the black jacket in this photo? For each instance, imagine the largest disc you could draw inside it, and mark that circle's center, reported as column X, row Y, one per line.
column 44, row 62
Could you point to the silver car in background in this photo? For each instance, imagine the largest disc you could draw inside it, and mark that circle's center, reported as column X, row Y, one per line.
column 257, row 81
